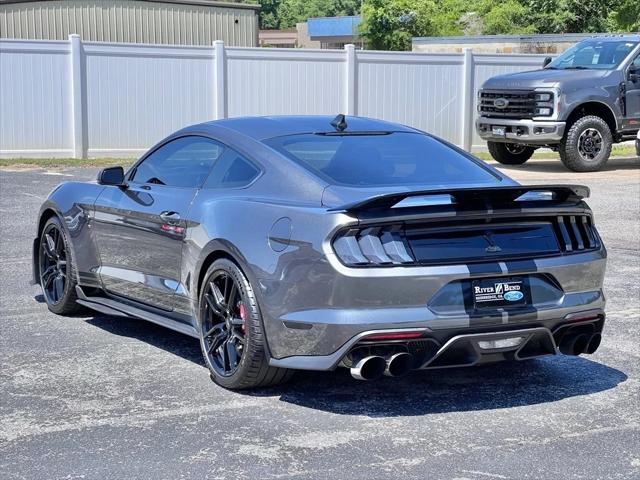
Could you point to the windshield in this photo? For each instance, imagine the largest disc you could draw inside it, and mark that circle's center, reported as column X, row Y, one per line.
column 593, row 54
column 389, row 159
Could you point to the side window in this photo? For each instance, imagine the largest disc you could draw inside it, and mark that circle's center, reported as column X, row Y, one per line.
column 184, row 162
column 232, row 171
column 636, row 62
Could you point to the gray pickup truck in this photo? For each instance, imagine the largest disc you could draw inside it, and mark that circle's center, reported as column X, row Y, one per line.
column 579, row 105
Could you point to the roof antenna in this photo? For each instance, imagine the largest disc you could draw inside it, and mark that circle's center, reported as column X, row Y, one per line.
column 339, row 123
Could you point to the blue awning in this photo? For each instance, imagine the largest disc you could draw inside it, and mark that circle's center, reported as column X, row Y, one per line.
column 333, row 26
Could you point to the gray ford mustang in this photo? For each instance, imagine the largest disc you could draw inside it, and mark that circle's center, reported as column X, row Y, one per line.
column 287, row 243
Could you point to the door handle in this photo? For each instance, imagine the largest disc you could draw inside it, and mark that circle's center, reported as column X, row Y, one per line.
column 170, row 217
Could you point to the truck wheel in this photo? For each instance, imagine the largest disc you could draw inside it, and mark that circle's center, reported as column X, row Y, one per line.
column 510, row 153
column 587, row 145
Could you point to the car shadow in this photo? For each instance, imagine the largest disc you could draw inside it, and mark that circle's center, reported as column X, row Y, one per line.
column 173, row 342
column 499, row 385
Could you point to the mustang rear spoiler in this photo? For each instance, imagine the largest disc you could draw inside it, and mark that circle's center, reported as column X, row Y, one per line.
column 475, row 195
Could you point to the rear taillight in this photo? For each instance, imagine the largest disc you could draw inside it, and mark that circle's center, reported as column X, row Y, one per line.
column 372, row 246
column 576, row 232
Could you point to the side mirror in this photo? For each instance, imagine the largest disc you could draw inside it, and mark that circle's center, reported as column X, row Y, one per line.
column 634, row 73
column 546, row 61
column 112, row 176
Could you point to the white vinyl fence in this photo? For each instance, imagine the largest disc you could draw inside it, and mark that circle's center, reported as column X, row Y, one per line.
column 79, row 99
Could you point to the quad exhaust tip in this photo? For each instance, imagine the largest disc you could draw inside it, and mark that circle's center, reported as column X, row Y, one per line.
column 399, row 364
column 594, row 343
column 369, row 368
column 575, row 344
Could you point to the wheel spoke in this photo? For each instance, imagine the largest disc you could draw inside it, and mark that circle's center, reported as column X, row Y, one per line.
column 216, row 342
column 224, row 355
column 232, row 354
column 49, row 247
column 219, row 326
column 48, row 275
column 213, row 305
column 231, row 295
column 238, row 338
column 58, row 285
column 217, row 296
column 237, row 321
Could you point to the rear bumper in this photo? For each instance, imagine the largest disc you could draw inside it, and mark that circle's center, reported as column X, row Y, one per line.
column 530, row 132
column 461, row 347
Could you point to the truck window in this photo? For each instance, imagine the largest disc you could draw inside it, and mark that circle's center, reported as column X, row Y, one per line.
column 593, row 54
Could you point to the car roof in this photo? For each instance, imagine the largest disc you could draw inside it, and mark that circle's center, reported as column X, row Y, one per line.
column 261, row 128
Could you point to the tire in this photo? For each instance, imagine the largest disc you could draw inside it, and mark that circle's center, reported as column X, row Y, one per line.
column 240, row 318
column 55, row 267
column 587, row 145
column 510, row 153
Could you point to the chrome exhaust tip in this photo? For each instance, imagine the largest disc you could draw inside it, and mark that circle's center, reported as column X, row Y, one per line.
column 399, row 364
column 369, row 368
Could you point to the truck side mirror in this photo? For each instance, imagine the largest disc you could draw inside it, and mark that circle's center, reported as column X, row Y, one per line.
column 546, row 61
column 634, row 73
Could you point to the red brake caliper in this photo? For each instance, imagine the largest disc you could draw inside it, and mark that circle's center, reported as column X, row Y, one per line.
column 243, row 316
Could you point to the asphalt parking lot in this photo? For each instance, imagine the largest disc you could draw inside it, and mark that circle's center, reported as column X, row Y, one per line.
column 103, row 397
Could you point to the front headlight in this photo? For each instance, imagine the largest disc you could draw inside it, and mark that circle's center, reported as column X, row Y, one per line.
column 544, row 111
column 543, row 97
column 543, row 104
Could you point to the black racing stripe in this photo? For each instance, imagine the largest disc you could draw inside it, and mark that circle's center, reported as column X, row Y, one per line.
column 525, row 266
column 467, row 295
column 486, row 320
column 477, row 269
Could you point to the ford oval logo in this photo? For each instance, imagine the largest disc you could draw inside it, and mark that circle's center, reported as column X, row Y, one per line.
column 500, row 103
column 513, row 296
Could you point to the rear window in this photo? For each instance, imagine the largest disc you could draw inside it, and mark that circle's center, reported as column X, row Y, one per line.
column 382, row 160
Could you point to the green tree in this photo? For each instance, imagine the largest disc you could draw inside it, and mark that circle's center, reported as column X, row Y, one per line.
column 571, row 16
column 626, row 17
column 390, row 24
column 508, row 17
column 269, row 14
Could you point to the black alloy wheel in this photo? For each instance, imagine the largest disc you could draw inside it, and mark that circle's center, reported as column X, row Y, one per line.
column 223, row 324
column 53, row 264
column 55, row 269
column 231, row 332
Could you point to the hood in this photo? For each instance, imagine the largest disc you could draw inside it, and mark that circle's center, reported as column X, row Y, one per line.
column 544, row 78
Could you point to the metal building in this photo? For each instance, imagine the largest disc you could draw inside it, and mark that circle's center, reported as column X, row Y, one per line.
column 181, row 22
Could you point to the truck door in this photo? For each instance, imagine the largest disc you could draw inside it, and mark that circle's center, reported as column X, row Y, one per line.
column 632, row 96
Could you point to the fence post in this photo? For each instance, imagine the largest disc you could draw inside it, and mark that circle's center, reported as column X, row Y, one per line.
column 466, row 139
column 350, row 101
column 77, row 98
column 219, row 80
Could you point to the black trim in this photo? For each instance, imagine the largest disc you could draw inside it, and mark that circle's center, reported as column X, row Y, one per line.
column 474, row 195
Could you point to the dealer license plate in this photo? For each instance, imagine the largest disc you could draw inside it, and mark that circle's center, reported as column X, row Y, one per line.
column 500, row 293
